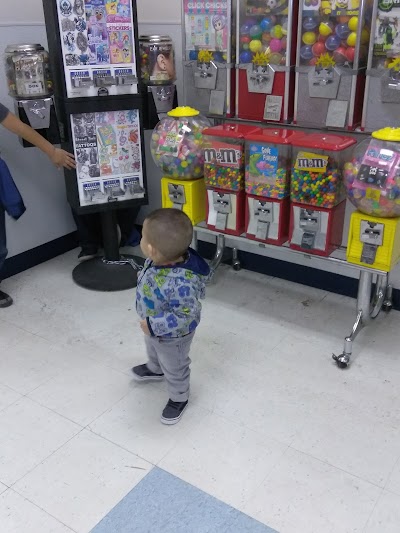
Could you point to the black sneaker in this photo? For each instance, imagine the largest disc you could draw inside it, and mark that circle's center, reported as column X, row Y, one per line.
column 87, row 252
column 142, row 373
column 173, row 411
column 5, row 300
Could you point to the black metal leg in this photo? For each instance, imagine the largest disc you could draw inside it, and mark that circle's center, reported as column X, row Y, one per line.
column 112, row 272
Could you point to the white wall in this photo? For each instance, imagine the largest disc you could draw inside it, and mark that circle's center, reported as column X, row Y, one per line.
column 149, row 11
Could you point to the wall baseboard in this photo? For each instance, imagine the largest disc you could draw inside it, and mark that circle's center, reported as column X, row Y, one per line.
column 311, row 277
column 40, row 254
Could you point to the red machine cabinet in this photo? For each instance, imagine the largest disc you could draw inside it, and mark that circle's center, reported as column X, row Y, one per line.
column 226, row 211
column 267, row 219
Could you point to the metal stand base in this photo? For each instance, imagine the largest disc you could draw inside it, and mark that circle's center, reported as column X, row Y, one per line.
column 101, row 275
column 368, row 308
column 112, row 272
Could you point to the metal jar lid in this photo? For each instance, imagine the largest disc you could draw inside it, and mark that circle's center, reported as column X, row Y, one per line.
column 155, row 38
column 23, row 48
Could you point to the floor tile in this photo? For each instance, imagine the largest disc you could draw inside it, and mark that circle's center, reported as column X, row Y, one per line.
column 7, row 396
column 3, row 488
column 304, row 495
column 18, row 515
column 393, row 483
column 163, row 503
column 83, row 481
column 10, row 335
column 29, row 434
column 385, row 517
column 134, row 423
column 82, row 395
column 223, row 458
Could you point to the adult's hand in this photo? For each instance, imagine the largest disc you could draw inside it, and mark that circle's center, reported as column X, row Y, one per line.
column 61, row 158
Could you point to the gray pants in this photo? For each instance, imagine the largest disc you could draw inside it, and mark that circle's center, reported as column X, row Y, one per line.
column 171, row 357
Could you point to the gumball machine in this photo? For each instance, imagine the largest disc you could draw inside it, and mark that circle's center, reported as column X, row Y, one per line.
column 331, row 56
column 382, row 95
column 208, row 54
column 268, row 163
column 372, row 181
column 177, row 148
column 265, row 52
column 317, row 191
column 224, row 176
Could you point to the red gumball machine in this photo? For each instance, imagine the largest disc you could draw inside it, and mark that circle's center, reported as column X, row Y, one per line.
column 317, row 191
column 268, row 163
column 208, row 56
column 333, row 37
column 265, row 52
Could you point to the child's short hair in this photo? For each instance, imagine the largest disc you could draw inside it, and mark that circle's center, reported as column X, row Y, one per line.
column 170, row 231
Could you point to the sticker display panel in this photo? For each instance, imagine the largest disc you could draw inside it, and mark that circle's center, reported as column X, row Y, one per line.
column 108, row 155
column 206, row 28
column 98, row 47
column 386, row 51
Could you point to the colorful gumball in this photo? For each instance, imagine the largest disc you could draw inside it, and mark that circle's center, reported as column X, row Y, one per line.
column 266, row 37
column 245, row 29
column 309, row 38
column 350, row 53
column 245, row 39
column 284, row 43
column 352, row 38
column 325, row 28
column 193, row 55
column 255, row 32
column 285, row 27
column 313, row 61
column 365, row 36
column 310, row 23
column 318, row 49
column 332, row 43
column 276, row 58
column 353, row 24
column 275, row 45
column 245, row 57
column 276, row 32
column 344, row 19
column 266, row 24
column 306, row 52
column 339, row 55
column 342, row 31
column 255, row 46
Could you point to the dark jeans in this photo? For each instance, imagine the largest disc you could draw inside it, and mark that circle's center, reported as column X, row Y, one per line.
column 3, row 240
column 89, row 227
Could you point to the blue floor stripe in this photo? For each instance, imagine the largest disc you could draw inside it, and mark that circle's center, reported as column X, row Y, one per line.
column 162, row 503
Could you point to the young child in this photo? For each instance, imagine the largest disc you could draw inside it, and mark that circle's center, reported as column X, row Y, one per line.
column 167, row 300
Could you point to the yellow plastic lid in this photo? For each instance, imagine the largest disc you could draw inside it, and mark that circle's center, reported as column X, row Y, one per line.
column 387, row 134
column 183, row 111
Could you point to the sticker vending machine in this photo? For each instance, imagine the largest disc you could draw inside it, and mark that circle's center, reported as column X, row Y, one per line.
column 333, row 37
column 93, row 48
column 208, row 53
column 266, row 51
column 382, row 95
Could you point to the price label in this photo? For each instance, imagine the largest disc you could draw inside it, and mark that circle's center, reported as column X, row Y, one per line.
column 33, row 87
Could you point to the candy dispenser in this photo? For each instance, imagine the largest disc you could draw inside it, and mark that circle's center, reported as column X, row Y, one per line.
column 267, row 219
column 157, row 67
column 208, row 53
column 268, row 162
column 331, row 55
column 177, row 148
column 317, row 168
column 372, row 177
column 30, row 84
column 265, row 43
column 382, row 95
column 224, row 156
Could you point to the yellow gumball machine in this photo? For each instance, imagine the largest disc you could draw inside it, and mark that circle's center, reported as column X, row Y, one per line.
column 177, row 148
column 372, row 180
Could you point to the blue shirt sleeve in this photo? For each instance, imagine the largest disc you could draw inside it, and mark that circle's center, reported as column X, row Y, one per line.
column 3, row 112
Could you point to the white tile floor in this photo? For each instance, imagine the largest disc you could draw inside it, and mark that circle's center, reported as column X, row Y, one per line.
column 274, row 428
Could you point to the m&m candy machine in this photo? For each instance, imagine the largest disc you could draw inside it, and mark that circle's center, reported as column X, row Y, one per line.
column 333, row 37
column 382, row 87
column 224, row 175
column 177, row 148
column 208, row 55
column 265, row 52
column 317, row 191
column 268, row 163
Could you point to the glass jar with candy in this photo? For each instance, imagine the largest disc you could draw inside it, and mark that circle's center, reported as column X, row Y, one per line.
column 317, row 168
